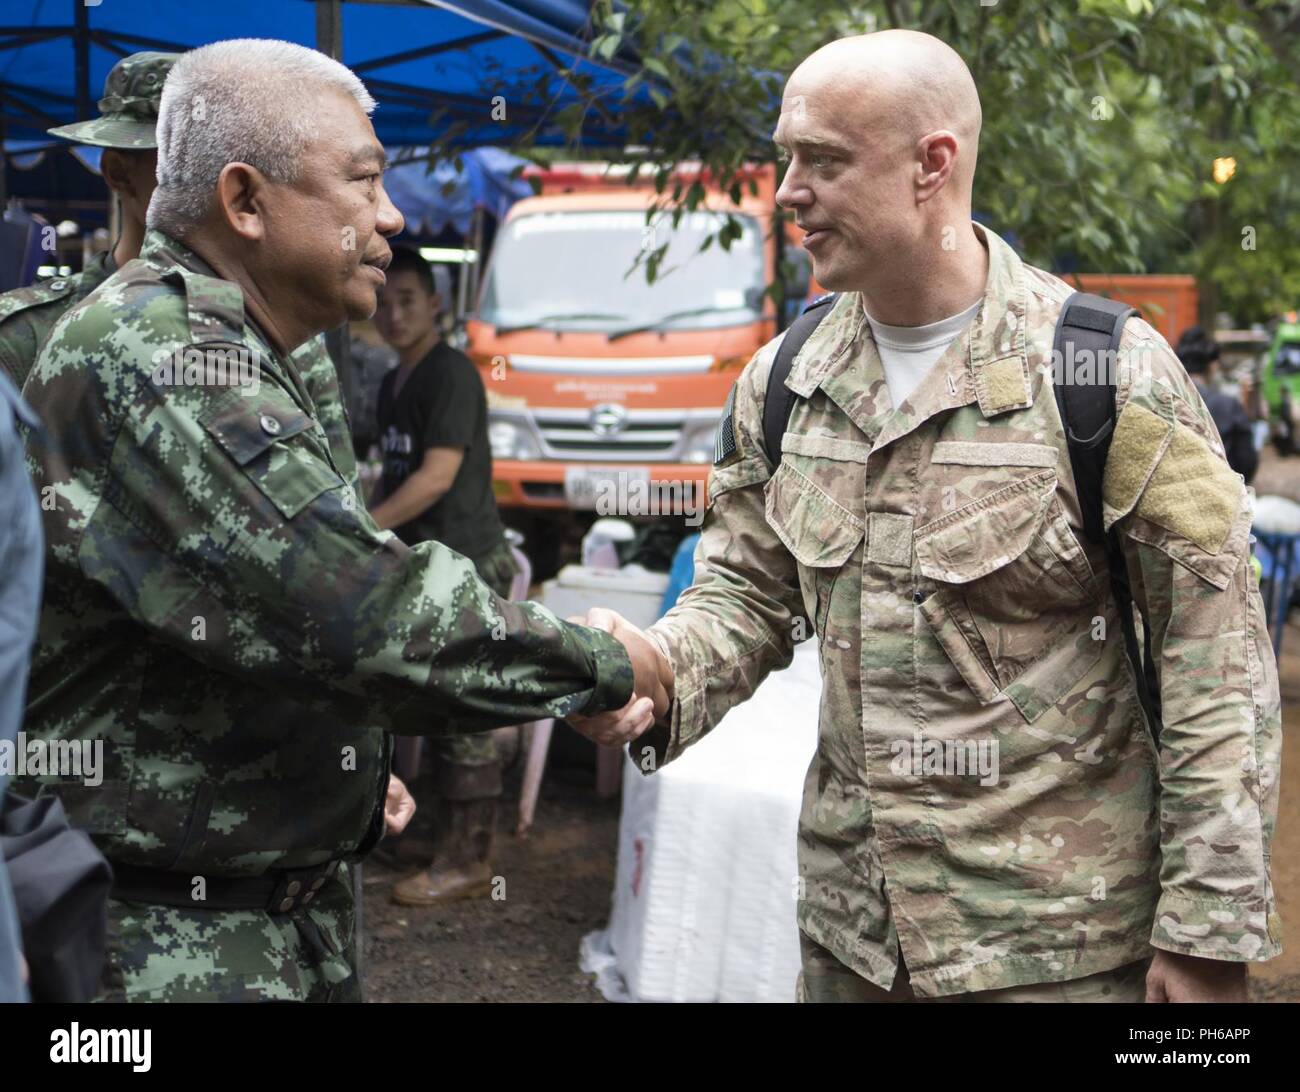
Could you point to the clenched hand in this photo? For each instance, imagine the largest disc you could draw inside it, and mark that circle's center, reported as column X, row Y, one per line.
column 652, row 683
column 399, row 806
column 1183, row 978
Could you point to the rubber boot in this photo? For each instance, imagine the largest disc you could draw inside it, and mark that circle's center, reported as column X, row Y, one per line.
column 466, row 832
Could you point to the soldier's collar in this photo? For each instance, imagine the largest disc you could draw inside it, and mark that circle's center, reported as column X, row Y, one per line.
column 827, row 349
column 214, row 306
column 999, row 364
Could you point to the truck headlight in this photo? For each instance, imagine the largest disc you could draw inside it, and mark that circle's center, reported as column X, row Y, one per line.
column 510, row 440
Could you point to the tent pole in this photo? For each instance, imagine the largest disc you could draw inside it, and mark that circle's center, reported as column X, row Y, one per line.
column 329, row 40
column 81, row 50
column 478, row 256
column 4, row 168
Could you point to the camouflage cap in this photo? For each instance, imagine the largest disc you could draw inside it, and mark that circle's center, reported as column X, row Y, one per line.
column 129, row 108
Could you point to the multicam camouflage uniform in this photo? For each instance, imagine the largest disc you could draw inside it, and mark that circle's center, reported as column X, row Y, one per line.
column 129, row 113
column 223, row 614
column 936, row 551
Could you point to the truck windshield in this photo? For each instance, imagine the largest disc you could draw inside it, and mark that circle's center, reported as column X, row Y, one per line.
column 573, row 270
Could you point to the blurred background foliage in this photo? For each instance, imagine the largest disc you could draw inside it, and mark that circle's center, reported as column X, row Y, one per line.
column 1103, row 120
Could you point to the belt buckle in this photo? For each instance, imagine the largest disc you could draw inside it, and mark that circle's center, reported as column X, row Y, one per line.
column 298, row 887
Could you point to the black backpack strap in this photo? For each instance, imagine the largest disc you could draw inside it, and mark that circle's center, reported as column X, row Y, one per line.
column 1087, row 340
column 779, row 400
column 1087, row 336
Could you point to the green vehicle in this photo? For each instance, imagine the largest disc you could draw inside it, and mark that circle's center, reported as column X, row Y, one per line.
column 1280, row 386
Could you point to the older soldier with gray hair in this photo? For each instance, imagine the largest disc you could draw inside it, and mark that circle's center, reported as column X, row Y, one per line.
column 220, row 609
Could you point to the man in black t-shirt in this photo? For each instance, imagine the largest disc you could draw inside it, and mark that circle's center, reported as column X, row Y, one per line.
column 437, row 484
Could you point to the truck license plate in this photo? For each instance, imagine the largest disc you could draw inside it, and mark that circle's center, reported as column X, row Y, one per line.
column 614, row 488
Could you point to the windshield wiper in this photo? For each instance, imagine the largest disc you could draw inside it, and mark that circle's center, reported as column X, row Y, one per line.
column 692, row 313
column 547, row 319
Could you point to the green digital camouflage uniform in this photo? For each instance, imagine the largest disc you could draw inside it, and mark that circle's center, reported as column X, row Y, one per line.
column 497, row 570
column 223, row 614
column 27, row 315
column 936, row 552
column 129, row 113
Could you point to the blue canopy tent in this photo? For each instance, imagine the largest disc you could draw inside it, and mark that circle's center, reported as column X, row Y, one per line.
column 453, row 56
column 435, row 67
column 468, row 72
column 456, row 58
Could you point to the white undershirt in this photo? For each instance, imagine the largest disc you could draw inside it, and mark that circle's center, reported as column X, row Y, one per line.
column 908, row 352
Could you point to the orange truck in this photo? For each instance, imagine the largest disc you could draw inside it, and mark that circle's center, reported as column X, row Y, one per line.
column 593, row 373
column 1167, row 300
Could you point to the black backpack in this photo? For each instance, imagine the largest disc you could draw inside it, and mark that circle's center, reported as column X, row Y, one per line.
column 1087, row 324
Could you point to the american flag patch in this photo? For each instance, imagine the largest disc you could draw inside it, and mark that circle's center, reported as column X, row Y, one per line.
column 724, row 442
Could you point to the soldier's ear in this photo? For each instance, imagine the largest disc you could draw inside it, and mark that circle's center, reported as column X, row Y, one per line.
column 113, row 169
column 241, row 199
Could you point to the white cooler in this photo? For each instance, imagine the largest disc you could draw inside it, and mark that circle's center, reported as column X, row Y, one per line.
column 632, row 591
column 705, row 887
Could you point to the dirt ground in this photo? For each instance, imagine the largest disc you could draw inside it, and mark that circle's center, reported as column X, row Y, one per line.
column 558, row 880
column 524, row 947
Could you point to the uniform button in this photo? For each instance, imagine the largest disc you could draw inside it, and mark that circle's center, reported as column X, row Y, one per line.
column 308, row 897
column 57, row 286
column 293, row 888
column 286, row 905
column 318, row 883
column 918, row 597
column 843, row 643
column 270, row 425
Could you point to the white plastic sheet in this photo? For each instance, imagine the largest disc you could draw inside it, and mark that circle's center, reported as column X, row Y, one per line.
column 705, row 888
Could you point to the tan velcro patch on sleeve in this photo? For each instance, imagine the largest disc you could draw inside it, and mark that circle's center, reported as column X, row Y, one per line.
column 889, row 538
column 1140, row 440
column 1192, row 493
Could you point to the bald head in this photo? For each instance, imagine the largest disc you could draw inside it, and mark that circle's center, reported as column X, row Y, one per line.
column 882, row 131
column 901, row 81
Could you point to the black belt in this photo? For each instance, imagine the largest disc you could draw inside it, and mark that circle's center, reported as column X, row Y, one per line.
column 277, row 892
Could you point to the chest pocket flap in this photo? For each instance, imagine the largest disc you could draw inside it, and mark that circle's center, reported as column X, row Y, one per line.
column 817, row 530
column 982, row 537
column 268, row 439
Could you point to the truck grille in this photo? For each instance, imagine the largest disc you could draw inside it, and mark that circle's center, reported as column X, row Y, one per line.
column 568, row 433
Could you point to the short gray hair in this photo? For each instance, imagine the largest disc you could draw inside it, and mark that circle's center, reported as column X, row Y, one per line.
column 247, row 100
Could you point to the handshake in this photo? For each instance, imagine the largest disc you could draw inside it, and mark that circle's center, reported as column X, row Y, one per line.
column 652, row 688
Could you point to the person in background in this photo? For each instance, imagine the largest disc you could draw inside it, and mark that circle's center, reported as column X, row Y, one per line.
column 20, row 601
column 436, row 485
column 1199, row 354
column 125, row 130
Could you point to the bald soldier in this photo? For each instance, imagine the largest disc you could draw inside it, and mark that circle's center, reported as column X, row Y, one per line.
column 986, row 816
column 220, row 612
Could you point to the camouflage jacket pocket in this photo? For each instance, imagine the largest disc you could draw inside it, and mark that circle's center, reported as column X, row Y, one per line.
column 820, row 531
column 1013, row 594
column 269, row 440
